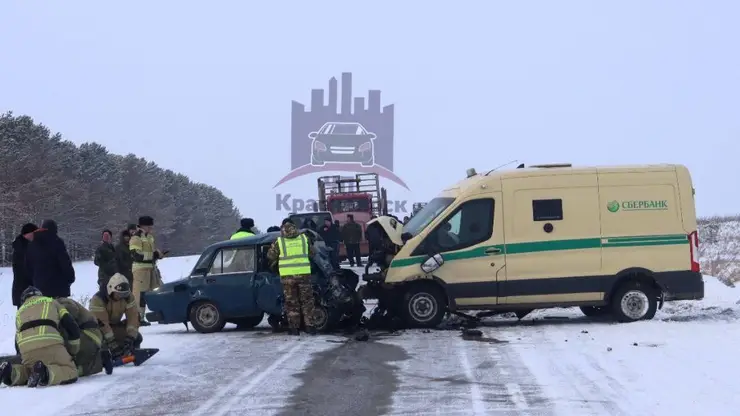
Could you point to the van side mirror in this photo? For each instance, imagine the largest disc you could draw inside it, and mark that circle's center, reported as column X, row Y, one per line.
column 432, row 263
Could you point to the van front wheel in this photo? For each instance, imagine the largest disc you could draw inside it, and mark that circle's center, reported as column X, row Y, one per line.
column 424, row 306
column 634, row 301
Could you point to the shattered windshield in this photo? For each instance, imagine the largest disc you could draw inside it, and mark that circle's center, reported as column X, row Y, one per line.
column 427, row 214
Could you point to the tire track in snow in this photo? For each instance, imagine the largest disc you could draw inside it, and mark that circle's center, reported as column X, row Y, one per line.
column 254, row 382
column 239, row 380
column 478, row 407
column 447, row 375
column 575, row 381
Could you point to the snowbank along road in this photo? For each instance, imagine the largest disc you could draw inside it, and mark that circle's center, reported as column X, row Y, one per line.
column 551, row 363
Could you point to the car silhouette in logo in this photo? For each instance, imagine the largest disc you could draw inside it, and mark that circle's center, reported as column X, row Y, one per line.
column 342, row 142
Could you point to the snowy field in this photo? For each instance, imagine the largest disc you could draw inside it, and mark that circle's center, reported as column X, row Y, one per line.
column 557, row 362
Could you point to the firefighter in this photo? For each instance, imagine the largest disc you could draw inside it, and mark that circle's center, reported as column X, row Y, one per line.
column 144, row 255
column 92, row 357
column 44, row 359
column 109, row 306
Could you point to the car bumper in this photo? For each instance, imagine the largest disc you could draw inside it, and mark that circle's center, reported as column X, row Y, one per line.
column 154, row 317
column 681, row 285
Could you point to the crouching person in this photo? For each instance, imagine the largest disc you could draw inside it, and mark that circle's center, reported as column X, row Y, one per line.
column 45, row 360
column 109, row 307
column 92, row 357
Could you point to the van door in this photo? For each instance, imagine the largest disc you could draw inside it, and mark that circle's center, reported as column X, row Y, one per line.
column 470, row 241
column 553, row 240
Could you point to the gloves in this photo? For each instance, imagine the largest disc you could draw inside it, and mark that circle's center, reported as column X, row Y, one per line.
column 157, row 255
column 128, row 345
column 73, row 347
column 116, row 350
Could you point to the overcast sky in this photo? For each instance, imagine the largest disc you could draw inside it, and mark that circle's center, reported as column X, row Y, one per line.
column 205, row 88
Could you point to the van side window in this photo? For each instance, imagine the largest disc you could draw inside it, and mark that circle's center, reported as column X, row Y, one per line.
column 547, row 210
column 470, row 224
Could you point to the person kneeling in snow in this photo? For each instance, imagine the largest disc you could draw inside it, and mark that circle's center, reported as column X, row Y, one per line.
column 109, row 306
column 92, row 357
column 44, row 359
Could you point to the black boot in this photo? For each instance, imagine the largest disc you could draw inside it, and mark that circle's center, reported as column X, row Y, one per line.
column 107, row 359
column 144, row 322
column 39, row 375
column 294, row 331
column 6, row 370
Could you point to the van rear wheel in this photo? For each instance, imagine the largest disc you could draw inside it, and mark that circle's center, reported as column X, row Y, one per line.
column 424, row 306
column 634, row 301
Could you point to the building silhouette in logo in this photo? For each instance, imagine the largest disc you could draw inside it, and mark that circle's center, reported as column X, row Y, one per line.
column 334, row 136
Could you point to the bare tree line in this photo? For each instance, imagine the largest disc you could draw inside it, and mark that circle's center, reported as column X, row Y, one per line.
column 86, row 189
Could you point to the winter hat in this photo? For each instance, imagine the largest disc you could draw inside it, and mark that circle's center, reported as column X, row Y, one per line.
column 50, row 225
column 28, row 228
column 287, row 220
column 247, row 223
column 146, row 221
column 131, row 227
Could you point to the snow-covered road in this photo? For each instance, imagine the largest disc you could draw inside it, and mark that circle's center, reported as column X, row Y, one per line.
column 550, row 363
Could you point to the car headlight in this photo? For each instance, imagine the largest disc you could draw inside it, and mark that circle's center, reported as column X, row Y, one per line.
column 365, row 147
column 321, row 147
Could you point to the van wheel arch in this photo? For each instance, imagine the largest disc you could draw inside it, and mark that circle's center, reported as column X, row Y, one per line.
column 635, row 273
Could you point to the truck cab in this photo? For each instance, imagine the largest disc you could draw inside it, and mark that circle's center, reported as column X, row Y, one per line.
column 360, row 196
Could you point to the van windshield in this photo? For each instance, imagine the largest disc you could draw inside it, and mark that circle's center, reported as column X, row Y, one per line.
column 427, row 214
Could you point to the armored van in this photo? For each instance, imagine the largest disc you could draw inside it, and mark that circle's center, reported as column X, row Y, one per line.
column 611, row 240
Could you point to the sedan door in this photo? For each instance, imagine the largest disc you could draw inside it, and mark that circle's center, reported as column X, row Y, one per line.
column 229, row 281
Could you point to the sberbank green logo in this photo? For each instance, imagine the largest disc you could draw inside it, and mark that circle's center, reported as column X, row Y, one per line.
column 638, row 205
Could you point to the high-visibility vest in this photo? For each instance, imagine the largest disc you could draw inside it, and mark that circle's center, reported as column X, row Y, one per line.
column 241, row 234
column 293, row 258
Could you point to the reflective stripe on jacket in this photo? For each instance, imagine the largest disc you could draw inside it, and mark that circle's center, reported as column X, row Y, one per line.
column 37, row 323
column 143, row 245
column 293, row 259
column 241, row 234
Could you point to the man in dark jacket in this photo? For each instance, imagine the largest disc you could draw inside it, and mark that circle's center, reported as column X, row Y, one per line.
column 352, row 235
column 105, row 259
column 330, row 233
column 123, row 257
column 48, row 263
column 21, row 278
